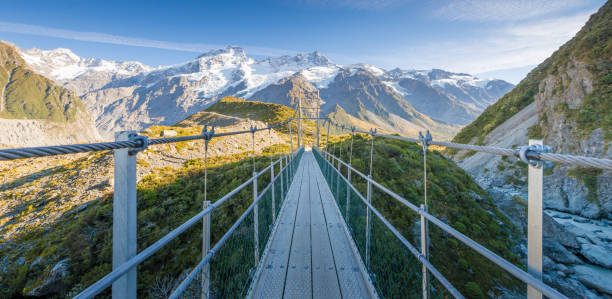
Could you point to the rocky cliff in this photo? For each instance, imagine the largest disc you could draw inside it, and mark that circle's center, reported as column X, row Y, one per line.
column 566, row 101
column 34, row 110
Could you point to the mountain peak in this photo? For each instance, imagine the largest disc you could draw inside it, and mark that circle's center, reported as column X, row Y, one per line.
column 302, row 59
column 231, row 50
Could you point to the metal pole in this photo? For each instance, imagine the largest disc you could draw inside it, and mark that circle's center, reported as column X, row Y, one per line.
column 124, row 217
column 299, row 122
column 205, row 227
column 291, row 137
column 287, row 174
column 273, row 191
column 338, row 177
column 282, row 178
column 369, row 198
column 425, row 252
column 318, row 116
column 327, row 141
column 255, row 219
column 205, row 249
column 348, row 190
column 534, row 223
column 424, row 223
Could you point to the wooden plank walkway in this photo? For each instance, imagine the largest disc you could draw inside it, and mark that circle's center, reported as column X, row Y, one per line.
column 310, row 255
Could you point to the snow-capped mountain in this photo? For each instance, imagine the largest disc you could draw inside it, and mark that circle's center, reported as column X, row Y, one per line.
column 133, row 96
column 77, row 73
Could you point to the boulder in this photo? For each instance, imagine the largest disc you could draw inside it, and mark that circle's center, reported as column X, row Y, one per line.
column 597, row 254
column 169, row 133
column 595, row 277
column 554, row 230
column 558, row 253
column 53, row 283
column 568, row 286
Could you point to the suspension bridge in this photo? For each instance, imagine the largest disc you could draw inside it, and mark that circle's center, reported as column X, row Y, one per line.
column 309, row 233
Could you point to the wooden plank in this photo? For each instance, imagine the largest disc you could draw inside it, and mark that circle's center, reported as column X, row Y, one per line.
column 310, row 255
column 352, row 283
column 324, row 277
column 298, row 283
column 271, row 280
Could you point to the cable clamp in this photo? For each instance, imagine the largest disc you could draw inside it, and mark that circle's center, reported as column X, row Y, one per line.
column 536, row 149
column 143, row 143
column 208, row 135
column 253, row 129
column 425, row 139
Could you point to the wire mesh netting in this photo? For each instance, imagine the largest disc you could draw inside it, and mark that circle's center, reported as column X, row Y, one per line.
column 232, row 268
column 394, row 270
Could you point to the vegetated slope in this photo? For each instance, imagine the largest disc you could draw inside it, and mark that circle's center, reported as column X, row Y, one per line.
column 566, row 101
column 62, row 242
column 454, row 197
column 589, row 50
column 36, row 109
column 271, row 114
column 61, row 259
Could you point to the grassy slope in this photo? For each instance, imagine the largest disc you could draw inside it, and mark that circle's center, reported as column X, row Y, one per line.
column 265, row 112
column 592, row 45
column 452, row 196
column 28, row 95
column 165, row 200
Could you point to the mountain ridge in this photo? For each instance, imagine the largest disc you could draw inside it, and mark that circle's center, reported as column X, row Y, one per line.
column 34, row 110
column 130, row 102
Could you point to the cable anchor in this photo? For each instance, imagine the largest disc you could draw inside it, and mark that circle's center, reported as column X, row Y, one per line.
column 143, row 143
column 425, row 140
column 535, row 149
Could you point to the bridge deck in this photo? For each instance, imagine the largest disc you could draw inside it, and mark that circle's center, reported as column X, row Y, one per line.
column 310, row 255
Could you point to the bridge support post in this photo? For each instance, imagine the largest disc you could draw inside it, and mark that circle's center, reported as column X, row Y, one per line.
column 327, row 138
column 273, row 191
column 425, row 251
column 368, row 224
column 291, row 137
column 205, row 249
column 282, row 178
column 300, row 141
column 124, row 216
column 255, row 220
column 369, row 198
column 338, row 179
column 348, row 175
column 425, row 139
column 534, row 222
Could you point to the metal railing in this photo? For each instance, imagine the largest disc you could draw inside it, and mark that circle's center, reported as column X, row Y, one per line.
column 367, row 202
column 512, row 269
column 126, row 258
column 131, row 263
column 536, row 155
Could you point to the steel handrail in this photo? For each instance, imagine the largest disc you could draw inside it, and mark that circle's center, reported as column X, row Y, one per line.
column 108, row 279
column 530, row 154
column 395, row 232
column 185, row 283
column 490, row 255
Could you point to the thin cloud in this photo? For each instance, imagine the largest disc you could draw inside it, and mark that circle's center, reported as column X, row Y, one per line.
column 129, row 41
column 355, row 4
column 506, row 47
column 503, row 10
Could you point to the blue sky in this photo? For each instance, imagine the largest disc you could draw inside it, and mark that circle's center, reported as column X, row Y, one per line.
column 503, row 39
